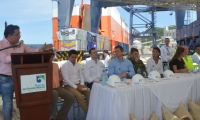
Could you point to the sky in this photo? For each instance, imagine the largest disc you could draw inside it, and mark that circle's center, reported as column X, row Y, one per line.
column 34, row 17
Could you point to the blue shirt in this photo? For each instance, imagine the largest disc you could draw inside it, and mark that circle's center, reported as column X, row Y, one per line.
column 117, row 67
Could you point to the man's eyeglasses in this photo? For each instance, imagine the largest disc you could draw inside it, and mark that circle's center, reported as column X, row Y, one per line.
column 18, row 34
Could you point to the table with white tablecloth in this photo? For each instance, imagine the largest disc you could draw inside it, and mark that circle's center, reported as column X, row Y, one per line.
column 108, row 103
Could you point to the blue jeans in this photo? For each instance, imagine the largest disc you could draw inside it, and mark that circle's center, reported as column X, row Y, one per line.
column 7, row 90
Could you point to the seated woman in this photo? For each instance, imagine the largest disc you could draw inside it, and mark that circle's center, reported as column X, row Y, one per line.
column 177, row 64
column 155, row 63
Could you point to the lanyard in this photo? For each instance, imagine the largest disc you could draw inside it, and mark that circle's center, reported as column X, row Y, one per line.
column 167, row 49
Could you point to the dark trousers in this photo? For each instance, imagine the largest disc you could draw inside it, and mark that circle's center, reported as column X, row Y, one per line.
column 89, row 85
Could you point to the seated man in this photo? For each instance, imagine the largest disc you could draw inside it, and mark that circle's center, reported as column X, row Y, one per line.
column 138, row 65
column 120, row 66
column 196, row 55
column 74, row 80
column 93, row 68
column 59, row 91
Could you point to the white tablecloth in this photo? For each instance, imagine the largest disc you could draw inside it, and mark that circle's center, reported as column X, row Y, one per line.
column 108, row 103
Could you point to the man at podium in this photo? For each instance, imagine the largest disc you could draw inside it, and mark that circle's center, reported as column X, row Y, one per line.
column 10, row 44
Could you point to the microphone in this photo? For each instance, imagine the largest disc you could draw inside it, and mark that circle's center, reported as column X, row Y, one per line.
column 19, row 45
column 21, row 42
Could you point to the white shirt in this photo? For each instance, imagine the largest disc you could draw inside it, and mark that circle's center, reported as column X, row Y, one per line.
column 106, row 60
column 88, row 59
column 196, row 58
column 158, row 67
column 93, row 71
column 166, row 53
column 72, row 74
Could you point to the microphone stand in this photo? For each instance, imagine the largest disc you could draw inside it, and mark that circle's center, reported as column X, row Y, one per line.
column 11, row 47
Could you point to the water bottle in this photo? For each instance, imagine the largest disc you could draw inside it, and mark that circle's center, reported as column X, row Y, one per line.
column 165, row 66
column 139, row 71
column 152, row 69
column 104, row 77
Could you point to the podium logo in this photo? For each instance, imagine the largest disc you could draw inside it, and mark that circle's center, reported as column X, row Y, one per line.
column 39, row 78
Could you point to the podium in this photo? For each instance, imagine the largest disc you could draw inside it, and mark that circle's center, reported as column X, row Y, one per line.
column 32, row 77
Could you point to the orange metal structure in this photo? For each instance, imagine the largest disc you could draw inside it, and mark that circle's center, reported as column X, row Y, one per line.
column 111, row 25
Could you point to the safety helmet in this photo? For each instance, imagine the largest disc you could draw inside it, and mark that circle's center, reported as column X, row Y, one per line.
column 113, row 80
column 168, row 74
column 137, row 78
column 155, row 75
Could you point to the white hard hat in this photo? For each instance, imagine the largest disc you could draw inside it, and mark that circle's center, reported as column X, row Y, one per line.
column 113, row 80
column 155, row 75
column 168, row 74
column 137, row 78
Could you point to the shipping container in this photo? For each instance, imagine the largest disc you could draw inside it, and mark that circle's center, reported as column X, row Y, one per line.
column 76, row 17
column 78, row 39
column 196, row 28
column 193, row 29
column 100, row 39
column 116, row 43
column 124, row 46
column 110, row 44
column 73, row 38
column 177, row 35
column 188, row 32
column 185, row 32
column 125, row 32
column 182, row 34
column 121, row 44
column 92, row 41
column 189, row 35
column 198, row 40
column 115, row 28
column 56, row 41
column 190, row 29
column 106, row 43
column 102, row 42
column 111, row 25
column 113, row 44
column 128, row 48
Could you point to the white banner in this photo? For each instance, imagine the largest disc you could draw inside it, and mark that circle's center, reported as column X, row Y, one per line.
column 33, row 83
